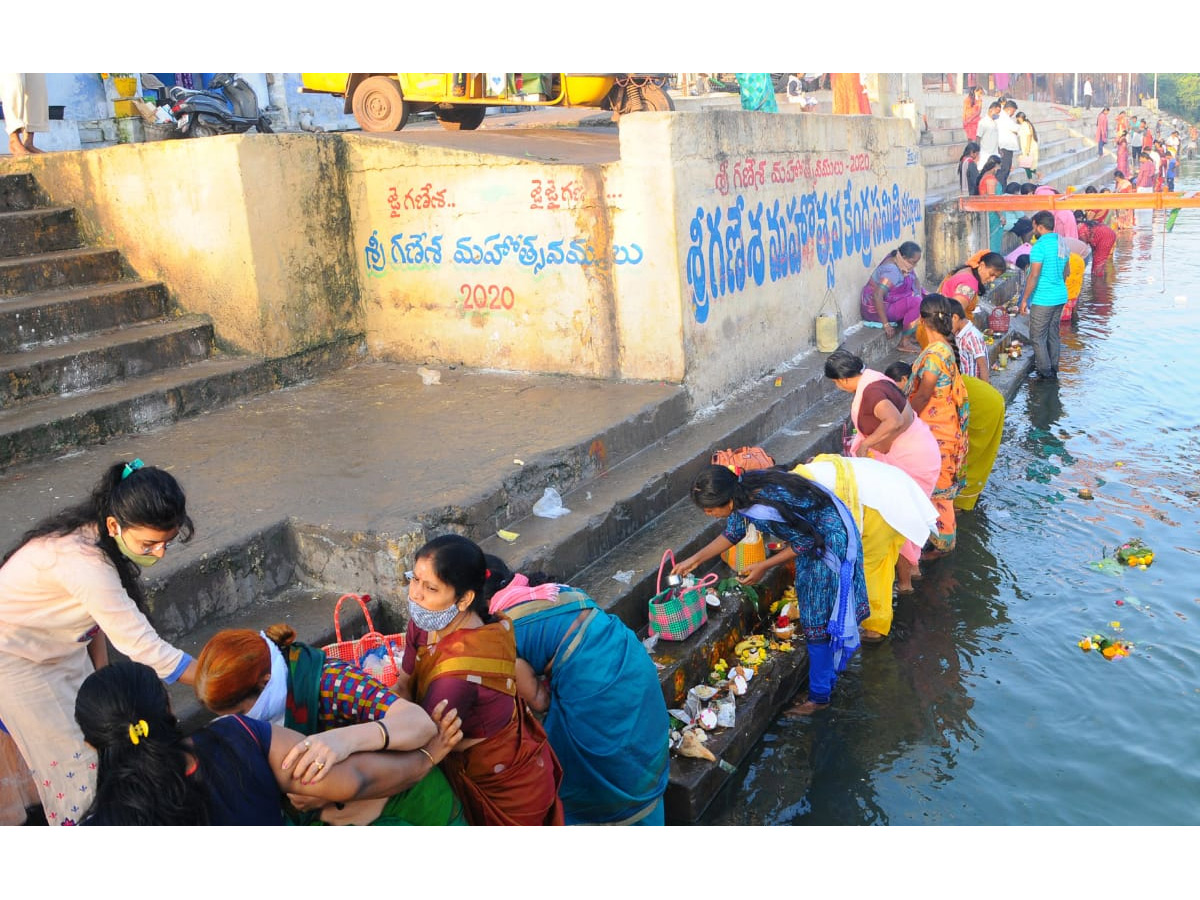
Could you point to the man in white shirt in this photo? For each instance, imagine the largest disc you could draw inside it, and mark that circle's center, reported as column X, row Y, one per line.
column 1008, row 134
column 1087, row 93
column 989, row 138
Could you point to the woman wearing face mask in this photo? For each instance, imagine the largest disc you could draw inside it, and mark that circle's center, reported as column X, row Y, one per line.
column 339, row 708
column 504, row 770
column 70, row 583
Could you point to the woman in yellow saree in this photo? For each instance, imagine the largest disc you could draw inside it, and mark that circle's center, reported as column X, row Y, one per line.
column 984, row 428
column 889, row 508
column 939, row 397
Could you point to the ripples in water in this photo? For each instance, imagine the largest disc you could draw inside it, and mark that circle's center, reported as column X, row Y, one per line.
column 981, row 708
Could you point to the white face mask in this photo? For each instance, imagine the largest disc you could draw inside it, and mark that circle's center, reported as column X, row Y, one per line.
column 272, row 702
column 428, row 620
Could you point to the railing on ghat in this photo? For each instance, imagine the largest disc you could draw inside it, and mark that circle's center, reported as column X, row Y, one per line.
column 1053, row 202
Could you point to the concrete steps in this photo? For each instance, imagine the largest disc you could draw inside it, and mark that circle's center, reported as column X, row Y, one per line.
column 88, row 350
column 59, row 269
column 55, row 315
column 637, row 473
column 90, row 361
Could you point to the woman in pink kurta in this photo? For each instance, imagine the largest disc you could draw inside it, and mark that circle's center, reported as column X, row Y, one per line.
column 70, row 584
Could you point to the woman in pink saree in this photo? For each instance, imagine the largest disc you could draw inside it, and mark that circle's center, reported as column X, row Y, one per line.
column 890, row 431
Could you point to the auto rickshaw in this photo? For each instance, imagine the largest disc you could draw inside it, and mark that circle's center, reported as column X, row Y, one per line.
column 383, row 102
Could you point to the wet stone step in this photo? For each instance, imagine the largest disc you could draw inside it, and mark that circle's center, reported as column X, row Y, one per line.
column 58, row 269
column 32, row 231
column 17, row 192
column 54, row 316
column 52, row 424
column 101, row 359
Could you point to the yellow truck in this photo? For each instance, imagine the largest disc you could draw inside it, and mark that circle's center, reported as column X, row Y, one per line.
column 382, row 101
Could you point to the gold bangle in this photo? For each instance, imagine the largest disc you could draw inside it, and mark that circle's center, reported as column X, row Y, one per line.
column 428, row 756
column 387, row 738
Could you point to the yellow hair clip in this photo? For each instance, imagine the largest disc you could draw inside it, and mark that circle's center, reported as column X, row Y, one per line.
column 140, row 728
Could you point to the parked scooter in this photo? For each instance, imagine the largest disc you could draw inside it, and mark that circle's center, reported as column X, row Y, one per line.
column 228, row 106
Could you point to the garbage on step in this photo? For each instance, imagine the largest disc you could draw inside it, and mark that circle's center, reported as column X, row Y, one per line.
column 429, row 376
column 625, row 576
column 509, row 536
column 550, row 506
column 1135, row 553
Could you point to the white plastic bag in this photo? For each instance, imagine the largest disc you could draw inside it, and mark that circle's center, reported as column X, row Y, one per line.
column 551, row 505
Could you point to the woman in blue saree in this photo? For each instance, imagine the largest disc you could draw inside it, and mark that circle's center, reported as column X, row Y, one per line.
column 605, row 713
column 823, row 540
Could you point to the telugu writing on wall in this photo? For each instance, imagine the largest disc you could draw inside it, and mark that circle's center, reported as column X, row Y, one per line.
column 738, row 243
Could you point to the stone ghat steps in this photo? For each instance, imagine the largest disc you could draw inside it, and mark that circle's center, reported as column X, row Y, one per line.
column 18, row 192
column 223, row 588
column 608, row 509
column 88, row 350
column 53, row 316
column 52, row 424
column 59, row 269
column 92, row 360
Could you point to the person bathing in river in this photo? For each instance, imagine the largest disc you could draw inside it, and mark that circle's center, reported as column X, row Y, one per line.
column 820, row 535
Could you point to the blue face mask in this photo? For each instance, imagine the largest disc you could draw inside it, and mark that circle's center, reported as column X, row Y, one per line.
column 428, row 620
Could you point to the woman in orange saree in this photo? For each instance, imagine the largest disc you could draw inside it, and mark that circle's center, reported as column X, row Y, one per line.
column 504, row 770
column 849, row 95
column 939, row 397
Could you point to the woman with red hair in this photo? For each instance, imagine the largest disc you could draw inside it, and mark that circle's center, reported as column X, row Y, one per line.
column 338, row 707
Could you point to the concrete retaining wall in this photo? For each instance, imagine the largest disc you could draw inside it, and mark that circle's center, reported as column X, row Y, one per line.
column 712, row 226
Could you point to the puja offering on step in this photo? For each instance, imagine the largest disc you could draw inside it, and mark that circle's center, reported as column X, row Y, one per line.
column 784, row 629
column 691, row 745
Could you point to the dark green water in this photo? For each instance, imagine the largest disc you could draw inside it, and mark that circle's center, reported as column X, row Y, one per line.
column 981, row 708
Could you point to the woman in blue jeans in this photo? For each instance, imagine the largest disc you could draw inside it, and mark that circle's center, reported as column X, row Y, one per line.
column 1045, row 294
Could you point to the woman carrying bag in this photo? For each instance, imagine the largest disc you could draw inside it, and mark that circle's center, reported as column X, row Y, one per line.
column 822, row 539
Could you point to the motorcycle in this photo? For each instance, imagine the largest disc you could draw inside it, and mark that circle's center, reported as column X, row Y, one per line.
column 228, row 106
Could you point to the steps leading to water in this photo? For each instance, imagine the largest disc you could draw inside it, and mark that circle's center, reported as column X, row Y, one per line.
column 87, row 349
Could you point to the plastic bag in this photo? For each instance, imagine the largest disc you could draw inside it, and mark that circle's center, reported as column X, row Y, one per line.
column 551, row 505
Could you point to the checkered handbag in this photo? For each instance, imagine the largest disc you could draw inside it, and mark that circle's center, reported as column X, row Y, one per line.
column 676, row 613
column 369, row 650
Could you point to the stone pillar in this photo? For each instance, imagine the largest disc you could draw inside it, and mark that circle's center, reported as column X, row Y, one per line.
column 277, row 104
column 951, row 236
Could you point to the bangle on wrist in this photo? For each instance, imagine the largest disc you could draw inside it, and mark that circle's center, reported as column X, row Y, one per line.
column 428, row 756
column 387, row 738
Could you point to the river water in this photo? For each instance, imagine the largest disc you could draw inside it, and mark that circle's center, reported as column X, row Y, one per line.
column 981, row 708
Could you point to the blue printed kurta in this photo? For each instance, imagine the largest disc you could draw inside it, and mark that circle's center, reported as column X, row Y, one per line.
column 816, row 583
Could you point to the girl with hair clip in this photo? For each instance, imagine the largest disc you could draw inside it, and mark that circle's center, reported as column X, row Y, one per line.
column 70, row 584
column 604, row 710
column 938, row 395
column 339, row 708
column 504, row 771
column 821, row 537
column 230, row 772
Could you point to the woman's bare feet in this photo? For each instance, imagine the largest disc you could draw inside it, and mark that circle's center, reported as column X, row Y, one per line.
column 807, row 708
column 29, row 143
column 908, row 346
column 16, row 146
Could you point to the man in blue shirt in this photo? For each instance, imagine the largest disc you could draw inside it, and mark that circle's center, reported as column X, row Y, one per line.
column 1045, row 294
